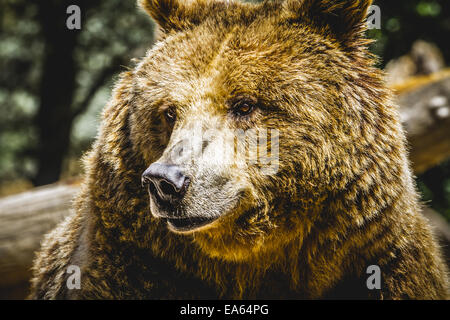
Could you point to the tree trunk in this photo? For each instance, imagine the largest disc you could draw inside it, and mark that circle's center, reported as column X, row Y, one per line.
column 54, row 119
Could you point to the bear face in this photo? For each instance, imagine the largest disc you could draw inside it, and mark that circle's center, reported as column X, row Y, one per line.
column 240, row 109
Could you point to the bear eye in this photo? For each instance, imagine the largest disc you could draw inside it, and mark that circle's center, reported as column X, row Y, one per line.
column 243, row 108
column 170, row 115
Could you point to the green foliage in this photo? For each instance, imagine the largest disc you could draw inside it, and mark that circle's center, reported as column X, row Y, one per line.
column 405, row 21
column 434, row 186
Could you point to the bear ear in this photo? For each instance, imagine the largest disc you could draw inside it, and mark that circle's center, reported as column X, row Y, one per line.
column 345, row 19
column 175, row 14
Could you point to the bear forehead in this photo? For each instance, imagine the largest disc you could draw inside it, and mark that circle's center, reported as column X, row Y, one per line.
column 236, row 58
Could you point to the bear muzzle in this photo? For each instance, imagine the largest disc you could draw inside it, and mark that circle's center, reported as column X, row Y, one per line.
column 167, row 185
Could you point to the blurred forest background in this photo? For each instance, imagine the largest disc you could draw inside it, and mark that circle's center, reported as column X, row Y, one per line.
column 54, row 82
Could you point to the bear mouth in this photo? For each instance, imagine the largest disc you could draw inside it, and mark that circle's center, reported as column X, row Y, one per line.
column 189, row 224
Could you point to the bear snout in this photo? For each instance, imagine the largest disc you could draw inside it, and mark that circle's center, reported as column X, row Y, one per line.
column 167, row 184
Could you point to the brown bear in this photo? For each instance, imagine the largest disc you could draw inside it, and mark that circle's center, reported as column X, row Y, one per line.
column 315, row 201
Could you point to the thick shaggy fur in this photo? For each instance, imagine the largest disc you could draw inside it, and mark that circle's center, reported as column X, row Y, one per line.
column 342, row 199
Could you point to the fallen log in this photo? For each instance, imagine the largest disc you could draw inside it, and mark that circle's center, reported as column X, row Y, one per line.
column 24, row 219
column 425, row 112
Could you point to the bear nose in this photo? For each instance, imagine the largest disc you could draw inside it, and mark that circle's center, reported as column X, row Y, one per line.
column 167, row 182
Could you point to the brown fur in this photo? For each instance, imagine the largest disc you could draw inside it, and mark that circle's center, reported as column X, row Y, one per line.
column 342, row 199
